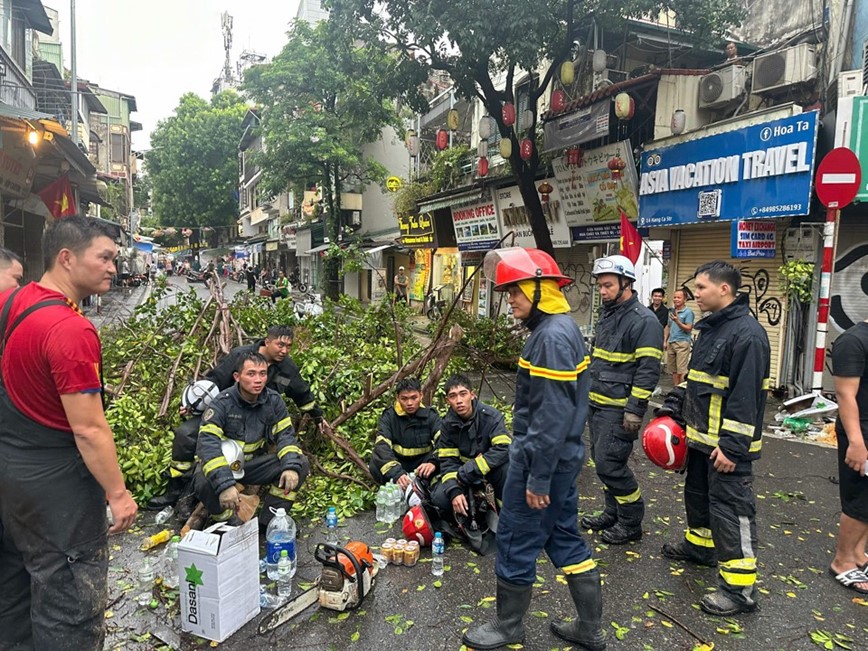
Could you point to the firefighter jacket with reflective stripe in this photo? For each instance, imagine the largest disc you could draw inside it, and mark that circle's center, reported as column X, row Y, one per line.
column 283, row 377
column 551, row 399
column 255, row 426
column 726, row 383
column 625, row 362
column 469, row 449
column 405, row 440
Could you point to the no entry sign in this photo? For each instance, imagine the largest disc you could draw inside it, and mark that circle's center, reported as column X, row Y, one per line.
column 838, row 178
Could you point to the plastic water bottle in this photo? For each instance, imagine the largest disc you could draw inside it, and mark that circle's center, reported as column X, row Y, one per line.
column 284, row 576
column 280, row 536
column 331, row 526
column 438, row 549
column 171, row 579
column 164, row 515
column 380, row 501
column 145, row 591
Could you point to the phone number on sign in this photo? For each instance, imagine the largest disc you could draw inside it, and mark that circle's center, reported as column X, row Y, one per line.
column 785, row 207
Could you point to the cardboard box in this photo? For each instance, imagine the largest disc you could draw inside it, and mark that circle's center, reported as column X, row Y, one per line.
column 219, row 588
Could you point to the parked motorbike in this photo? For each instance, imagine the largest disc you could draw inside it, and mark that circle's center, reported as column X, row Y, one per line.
column 308, row 304
column 297, row 283
column 197, row 276
column 435, row 304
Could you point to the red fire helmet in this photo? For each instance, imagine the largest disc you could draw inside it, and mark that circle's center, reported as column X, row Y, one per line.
column 417, row 526
column 665, row 443
column 505, row 267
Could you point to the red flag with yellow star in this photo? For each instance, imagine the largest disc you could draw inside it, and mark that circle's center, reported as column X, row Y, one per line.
column 631, row 241
column 59, row 198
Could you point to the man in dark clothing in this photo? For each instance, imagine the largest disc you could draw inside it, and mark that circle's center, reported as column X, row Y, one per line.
column 625, row 368
column 406, row 435
column 723, row 410
column 253, row 416
column 283, row 377
column 540, row 500
column 658, row 306
column 473, row 448
column 252, row 274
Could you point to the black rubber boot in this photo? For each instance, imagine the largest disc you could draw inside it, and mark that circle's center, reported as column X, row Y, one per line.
column 723, row 604
column 621, row 534
column 599, row 522
column 586, row 630
column 176, row 487
column 683, row 551
column 507, row 627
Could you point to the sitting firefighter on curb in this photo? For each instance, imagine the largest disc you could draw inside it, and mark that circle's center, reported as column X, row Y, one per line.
column 406, row 435
column 254, row 417
column 283, row 377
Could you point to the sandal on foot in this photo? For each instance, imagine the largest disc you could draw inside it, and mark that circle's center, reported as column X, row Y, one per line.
column 851, row 578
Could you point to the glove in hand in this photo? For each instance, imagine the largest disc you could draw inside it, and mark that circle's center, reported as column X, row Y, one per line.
column 632, row 422
column 288, row 480
column 230, row 499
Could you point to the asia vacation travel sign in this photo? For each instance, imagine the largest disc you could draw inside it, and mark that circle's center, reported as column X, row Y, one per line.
column 756, row 172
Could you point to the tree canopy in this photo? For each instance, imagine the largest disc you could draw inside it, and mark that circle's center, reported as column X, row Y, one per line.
column 193, row 161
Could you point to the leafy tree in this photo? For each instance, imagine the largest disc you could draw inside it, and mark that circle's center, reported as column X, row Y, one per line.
column 193, row 162
column 321, row 99
column 484, row 44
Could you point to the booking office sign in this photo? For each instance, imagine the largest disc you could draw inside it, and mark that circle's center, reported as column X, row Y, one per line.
column 756, row 172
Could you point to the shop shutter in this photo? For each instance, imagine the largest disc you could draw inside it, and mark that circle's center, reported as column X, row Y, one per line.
column 576, row 263
column 695, row 245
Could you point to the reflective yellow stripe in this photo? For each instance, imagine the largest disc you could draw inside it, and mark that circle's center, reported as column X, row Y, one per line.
column 583, row 365
column 501, row 439
column 308, row 406
column 382, row 439
column 610, row 356
column 450, row 475
column 482, row 464
column 282, row 425
column 766, row 384
column 225, row 515
column 175, row 473
column 640, row 394
column 600, row 399
column 252, row 447
column 277, row 491
column 700, row 537
column 635, row 496
column 282, row 452
column 411, row 452
column 447, row 452
column 548, row 373
column 717, row 381
column 738, row 427
column 436, row 436
column 386, row 467
column 181, row 465
column 578, row 568
column 211, row 428
column 649, row 351
column 714, row 410
column 739, row 571
column 714, row 441
column 216, row 462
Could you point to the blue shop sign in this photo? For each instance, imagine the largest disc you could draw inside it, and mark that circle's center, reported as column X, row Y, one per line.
column 761, row 171
column 753, row 239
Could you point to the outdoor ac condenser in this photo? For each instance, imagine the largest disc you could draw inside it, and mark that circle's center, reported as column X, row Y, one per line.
column 721, row 87
column 779, row 71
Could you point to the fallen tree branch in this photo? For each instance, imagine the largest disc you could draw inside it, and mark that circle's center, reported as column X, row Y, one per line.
column 679, row 624
column 164, row 406
column 336, row 475
column 330, row 433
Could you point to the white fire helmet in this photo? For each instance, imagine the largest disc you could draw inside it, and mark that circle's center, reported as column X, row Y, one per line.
column 199, row 395
column 234, row 454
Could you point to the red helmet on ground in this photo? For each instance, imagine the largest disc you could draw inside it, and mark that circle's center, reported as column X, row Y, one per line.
column 505, row 267
column 665, row 443
column 417, row 526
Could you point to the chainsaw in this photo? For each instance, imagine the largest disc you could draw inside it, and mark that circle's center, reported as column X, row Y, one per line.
column 348, row 575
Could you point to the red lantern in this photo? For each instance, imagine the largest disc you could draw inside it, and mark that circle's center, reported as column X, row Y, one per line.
column 509, row 114
column 574, row 156
column 616, row 165
column 482, row 166
column 559, row 100
column 442, row 139
column 526, row 149
column 545, row 189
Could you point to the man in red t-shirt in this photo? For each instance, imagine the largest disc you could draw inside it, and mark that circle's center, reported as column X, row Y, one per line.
column 59, row 459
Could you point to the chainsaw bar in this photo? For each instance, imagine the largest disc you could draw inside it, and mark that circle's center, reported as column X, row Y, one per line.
column 290, row 609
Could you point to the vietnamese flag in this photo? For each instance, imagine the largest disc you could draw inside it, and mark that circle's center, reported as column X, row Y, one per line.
column 631, row 241
column 59, row 198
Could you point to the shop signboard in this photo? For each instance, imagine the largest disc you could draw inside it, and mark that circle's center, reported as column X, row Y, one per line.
column 858, row 136
column 590, row 194
column 597, row 233
column 580, row 126
column 17, row 169
column 482, row 297
column 514, row 217
column 476, row 227
column 753, row 239
column 417, row 231
column 755, row 172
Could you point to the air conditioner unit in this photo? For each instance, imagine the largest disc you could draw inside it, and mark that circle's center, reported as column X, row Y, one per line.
column 721, row 87
column 778, row 71
column 849, row 83
column 608, row 77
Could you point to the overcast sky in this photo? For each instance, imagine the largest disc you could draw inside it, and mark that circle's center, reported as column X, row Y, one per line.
column 157, row 50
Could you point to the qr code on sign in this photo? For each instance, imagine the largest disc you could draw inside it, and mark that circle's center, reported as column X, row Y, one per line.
column 709, row 203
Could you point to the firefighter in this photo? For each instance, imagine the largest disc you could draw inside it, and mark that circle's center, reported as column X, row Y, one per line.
column 406, row 435
column 254, row 416
column 283, row 377
column 625, row 368
column 540, row 500
column 723, row 411
column 473, row 448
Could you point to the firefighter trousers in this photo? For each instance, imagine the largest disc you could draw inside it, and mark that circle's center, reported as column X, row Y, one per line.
column 497, row 479
column 611, row 447
column 184, row 440
column 721, row 514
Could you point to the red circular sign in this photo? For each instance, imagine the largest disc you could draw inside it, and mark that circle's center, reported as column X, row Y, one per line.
column 839, row 176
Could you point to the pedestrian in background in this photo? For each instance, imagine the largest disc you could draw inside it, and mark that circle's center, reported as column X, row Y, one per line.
column 677, row 338
column 658, row 306
column 11, row 269
column 402, row 286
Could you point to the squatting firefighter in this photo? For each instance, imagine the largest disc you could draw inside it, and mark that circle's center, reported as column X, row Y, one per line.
column 540, row 500
column 283, row 377
column 473, row 448
column 406, row 435
column 723, row 411
column 255, row 417
column 625, row 368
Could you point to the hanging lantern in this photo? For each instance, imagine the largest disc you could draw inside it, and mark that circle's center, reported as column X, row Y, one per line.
column 482, row 166
column 679, row 122
column 559, row 100
column 526, row 149
column 442, row 140
column 526, row 119
column 482, row 148
column 616, row 166
column 598, row 61
column 625, row 107
column 506, row 148
column 568, row 73
column 453, row 119
column 545, row 189
column 574, row 156
column 509, row 114
column 412, row 143
column 486, row 127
